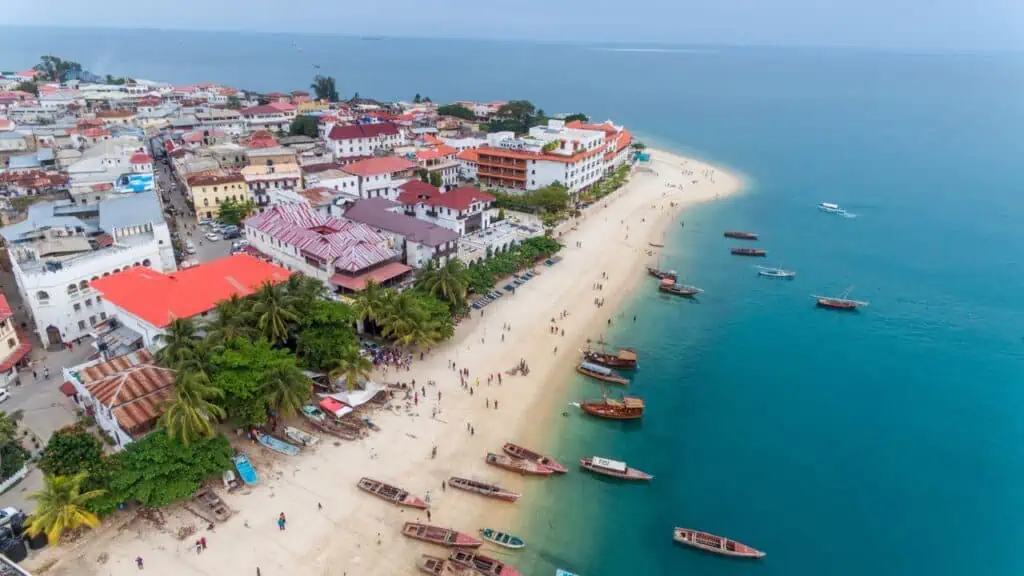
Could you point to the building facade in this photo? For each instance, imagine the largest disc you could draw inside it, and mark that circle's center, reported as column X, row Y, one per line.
column 363, row 139
column 207, row 190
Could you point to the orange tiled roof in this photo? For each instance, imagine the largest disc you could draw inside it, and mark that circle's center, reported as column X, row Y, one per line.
column 133, row 388
column 469, row 155
column 521, row 155
column 432, row 153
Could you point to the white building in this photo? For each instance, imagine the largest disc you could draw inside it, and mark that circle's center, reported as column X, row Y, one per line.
column 420, row 241
column 363, row 139
column 110, row 165
column 60, row 248
column 463, row 210
column 381, row 177
column 335, row 179
column 264, row 181
column 467, row 160
column 276, row 117
column 440, row 160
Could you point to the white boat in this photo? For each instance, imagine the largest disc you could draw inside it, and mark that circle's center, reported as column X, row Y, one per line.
column 775, row 272
column 300, row 437
column 835, row 209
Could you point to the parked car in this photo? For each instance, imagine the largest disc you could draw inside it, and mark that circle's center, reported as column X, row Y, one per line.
column 7, row 514
column 212, row 236
column 232, row 234
column 206, row 222
column 5, row 394
column 190, row 247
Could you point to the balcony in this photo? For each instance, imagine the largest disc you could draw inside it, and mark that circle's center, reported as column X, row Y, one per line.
column 486, row 172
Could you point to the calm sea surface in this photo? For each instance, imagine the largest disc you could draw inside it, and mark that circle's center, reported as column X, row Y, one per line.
column 883, row 442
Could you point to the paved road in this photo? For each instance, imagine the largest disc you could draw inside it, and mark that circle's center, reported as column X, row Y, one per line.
column 186, row 224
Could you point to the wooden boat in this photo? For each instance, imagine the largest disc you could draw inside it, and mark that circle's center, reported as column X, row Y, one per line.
column 300, row 437
column 211, row 505
column 840, row 302
column 390, row 493
column 599, row 372
column 748, row 252
column 523, row 467
column 516, row 451
column 625, row 358
column 329, row 424
column 655, row 245
column 441, row 567
column 715, row 544
column 661, row 274
column 245, row 470
column 775, row 272
column 439, row 535
column 613, row 468
column 502, row 539
column 741, row 235
column 483, row 488
column 484, row 565
column 277, row 445
column 629, row 408
column 669, row 286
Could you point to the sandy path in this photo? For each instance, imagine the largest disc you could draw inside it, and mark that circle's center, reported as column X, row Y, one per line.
column 342, row 538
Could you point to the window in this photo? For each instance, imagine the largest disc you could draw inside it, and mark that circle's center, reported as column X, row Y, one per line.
column 83, row 285
column 103, row 315
column 146, row 262
column 42, row 297
column 99, row 299
column 77, row 306
column 72, row 289
column 88, row 302
column 81, row 324
column 92, row 320
column 11, row 342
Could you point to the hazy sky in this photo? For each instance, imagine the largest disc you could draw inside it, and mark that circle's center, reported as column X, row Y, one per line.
column 899, row 24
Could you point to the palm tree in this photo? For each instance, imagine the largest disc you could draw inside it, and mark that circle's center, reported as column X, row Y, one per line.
column 286, row 389
column 304, row 290
column 190, row 414
column 401, row 317
column 448, row 282
column 60, row 506
column 324, row 88
column 423, row 332
column 273, row 313
column 352, row 366
column 371, row 303
column 179, row 339
column 230, row 320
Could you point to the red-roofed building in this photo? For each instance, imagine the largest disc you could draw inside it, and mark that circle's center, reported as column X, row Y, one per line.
column 617, row 139
column 380, row 177
column 14, row 347
column 464, row 210
column 146, row 301
column 125, row 395
column 269, row 116
column 440, row 160
column 363, row 139
column 467, row 160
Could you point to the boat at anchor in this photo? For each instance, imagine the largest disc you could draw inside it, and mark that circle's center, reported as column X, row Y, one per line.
column 748, row 252
column 741, row 235
column 624, row 359
column 629, row 408
column 517, row 451
column 613, row 468
column 841, row 302
column 669, row 286
column 715, row 544
column 598, row 372
column 770, row 272
column 661, row 274
column 524, row 467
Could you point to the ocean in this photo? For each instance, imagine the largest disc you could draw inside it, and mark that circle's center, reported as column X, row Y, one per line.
column 880, row 442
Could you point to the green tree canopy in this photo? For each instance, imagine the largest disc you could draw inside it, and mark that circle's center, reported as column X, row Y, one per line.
column 456, row 111
column 580, row 116
column 71, row 450
column 517, row 116
column 180, row 341
column 325, row 332
column 351, row 366
column 29, row 87
column 191, row 412
column 304, row 126
column 61, row 505
column 435, row 179
column 239, row 370
column 55, row 69
column 324, row 88
column 234, row 102
column 234, row 213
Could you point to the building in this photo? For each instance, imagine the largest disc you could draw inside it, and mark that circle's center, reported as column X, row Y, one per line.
column 61, row 247
column 363, row 139
column 463, row 210
column 467, row 160
column 207, row 190
column 147, row 301
column 380, row 177
column 13, row 346
column 277, row 116
column 125, row 395
column 114, row 165
column 336, row 179
column 271, row 155
column 618, row 141
column 440, row 160
column 419, row 241
column 340, row 253
column 264, row 181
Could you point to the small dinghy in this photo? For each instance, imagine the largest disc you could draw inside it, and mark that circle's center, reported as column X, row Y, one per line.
column 277, row 445
column 300, row 437
column 502, row 539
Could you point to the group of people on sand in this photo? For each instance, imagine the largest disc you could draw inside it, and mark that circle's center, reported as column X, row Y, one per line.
column 391, row 357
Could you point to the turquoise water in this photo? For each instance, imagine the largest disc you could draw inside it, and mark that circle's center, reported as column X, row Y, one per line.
column 882, row 442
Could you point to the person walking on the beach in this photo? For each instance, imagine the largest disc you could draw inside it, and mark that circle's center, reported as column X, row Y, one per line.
column 202, row 542
column 281, row 521
column 138, row 562
column 428, row 515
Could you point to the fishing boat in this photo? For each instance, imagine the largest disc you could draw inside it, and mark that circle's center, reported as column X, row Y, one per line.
column 484, row 565
column 841, row 302
column 502, row 539
column 390, row 493
column 516, row 451
column 329, row 424
column 613, row 468
column 560, row 572
column 770, row 272
column 715, row 544
column 629, row 408
column 831, row 208
column 748, row 252
column 625, row 358
column 741, row 235
column 523, row 467
column 661, row 274
column 601, row 373
column 442, row 567
column 245, row 469
column 439, row 535
column 483, row 488
column 277, row 445
column 669, row 286
column 300, row 437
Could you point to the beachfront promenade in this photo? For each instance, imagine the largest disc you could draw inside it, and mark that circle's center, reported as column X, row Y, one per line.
column 355, row 534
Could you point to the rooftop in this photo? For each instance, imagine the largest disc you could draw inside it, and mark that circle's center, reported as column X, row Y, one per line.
column 353, row 131
column 160, row 298
column 379, row 165
column 375, row 212
column 461, row 198
column 132, row 387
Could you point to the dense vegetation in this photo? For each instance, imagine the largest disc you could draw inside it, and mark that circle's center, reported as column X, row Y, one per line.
column 516, row 116
column 232, row 212
column 553, row 199
column 456, row 111
column 324, row 88
column 304, row 126
column 483, row 276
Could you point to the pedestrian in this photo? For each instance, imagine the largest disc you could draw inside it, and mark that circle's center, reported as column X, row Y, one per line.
column 138, row 562
column 281, row 520
column 442, row 486
column 499, row 379
column 428, row 515
column 495, row 404
column 35, row 375
column 199, row 547
column 488, row 402
column 319, row 506
column 258, row 571
column 202, row 541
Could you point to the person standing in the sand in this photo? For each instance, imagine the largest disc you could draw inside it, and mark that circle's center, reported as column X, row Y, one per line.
column 281, row 521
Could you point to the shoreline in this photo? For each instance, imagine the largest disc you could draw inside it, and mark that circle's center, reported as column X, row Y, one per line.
column 357, row 534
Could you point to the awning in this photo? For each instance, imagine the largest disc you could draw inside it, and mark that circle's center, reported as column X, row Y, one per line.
column 68, row 389
column 24, row 347
column 356, row 397
column 334, row 407
column 380, row 275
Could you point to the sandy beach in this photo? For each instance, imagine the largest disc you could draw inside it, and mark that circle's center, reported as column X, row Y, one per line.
column 355, row 534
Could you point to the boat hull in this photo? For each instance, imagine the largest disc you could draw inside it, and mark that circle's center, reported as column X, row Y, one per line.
column 439, row 535
column 483, row 489
column 661, row 274
column 741, row 235
column 484, row 565
column 279, row 446
column 599, row 409
column 524, row 467
column 679, row 291
column 390, row 493
column 611, row 379
column 748, row 252
column 610, row 360
column 502, row 539
column 516, row 451
column 715, row 544
column 630, row 474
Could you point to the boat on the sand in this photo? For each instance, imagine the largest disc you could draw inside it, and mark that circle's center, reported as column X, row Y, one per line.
column 624, row 359
column 661, row 274
column 277, row 445
column 716, row 544
column 390, row 493
column 517, row 451
column 439, row 535
column 442, row 567
column 329, row 424
column 245, row 468
column 511, row 464
column 748, row 252
column 598, row 372
column 300, row 437
column 741, row 235
column 669, row 286
column 483, row 488
column 484, row 565
column 613, row 468
column 503, row 539
column 629, row 408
